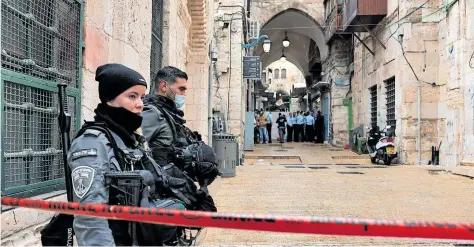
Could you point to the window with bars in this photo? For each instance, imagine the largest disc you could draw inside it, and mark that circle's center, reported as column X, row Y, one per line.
column 41, row 47
column 276, row 74
column 283, row 74
column 373, row 105
column 156, row 54
column 390, row 92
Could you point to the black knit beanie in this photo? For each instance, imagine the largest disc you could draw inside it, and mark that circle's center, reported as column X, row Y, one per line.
column 114, row 79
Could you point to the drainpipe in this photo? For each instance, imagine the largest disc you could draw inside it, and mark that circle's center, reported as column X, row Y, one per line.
column 209, row 99
column 419, row 122
column 348, row 102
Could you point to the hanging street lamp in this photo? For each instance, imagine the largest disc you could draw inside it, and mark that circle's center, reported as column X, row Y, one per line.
column 266, row 45
column 283, row 57
column 286, row 41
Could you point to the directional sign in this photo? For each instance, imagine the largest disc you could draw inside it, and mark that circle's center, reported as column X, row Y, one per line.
column 252, row 67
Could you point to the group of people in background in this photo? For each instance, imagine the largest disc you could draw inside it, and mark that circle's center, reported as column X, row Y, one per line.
column 299, row 127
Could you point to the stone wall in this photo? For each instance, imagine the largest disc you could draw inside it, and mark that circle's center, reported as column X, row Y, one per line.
column 374, row 70
column 196, row 109
column 437, row 45
column 176, row 32
column 229, row 90
column 456, row 75
column 187, row 33
column 114, row 31
column 336, row 72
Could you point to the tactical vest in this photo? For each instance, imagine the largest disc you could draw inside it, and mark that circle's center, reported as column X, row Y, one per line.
column 146, row 234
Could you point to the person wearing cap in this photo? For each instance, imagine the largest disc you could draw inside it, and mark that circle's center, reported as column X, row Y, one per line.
column 91, row 154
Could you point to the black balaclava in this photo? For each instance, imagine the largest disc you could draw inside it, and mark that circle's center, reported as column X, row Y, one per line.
column 113, row 80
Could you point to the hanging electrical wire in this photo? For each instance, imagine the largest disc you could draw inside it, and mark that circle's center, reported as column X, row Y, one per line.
column 446, row 7
column 471, row 63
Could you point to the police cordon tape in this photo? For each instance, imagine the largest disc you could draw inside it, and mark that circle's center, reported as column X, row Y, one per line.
column 284, row 224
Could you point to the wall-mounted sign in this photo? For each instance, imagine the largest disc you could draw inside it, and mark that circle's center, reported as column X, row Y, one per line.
column 252, row 67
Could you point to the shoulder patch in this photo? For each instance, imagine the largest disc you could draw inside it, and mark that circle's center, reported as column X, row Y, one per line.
column 82, row 177
column 92, row 132
column 84, row 153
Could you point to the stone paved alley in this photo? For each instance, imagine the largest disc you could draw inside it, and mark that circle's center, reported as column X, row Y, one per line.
column 292, row 185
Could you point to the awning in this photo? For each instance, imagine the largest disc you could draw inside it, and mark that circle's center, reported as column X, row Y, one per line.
column 298, row 89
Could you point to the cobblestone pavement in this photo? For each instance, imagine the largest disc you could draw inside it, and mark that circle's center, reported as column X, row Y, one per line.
column 283, row 180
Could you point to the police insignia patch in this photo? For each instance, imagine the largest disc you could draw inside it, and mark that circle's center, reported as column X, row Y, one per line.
column 82, row 177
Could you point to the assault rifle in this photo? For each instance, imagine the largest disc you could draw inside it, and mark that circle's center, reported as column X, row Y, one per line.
column 59, row 231
column 126, row 189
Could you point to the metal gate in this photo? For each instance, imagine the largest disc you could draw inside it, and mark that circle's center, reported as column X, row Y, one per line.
column 325, row 111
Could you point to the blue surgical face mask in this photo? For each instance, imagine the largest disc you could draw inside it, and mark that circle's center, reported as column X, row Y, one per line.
column 179, row 100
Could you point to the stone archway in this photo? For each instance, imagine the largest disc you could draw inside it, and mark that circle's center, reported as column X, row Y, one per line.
column 302, row 24
column 267, row 9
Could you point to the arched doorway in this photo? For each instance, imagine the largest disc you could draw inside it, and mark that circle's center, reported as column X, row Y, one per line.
column 306, row 50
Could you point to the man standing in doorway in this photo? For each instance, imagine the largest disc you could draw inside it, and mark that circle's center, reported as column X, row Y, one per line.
column 269, row 124
column 319, row 128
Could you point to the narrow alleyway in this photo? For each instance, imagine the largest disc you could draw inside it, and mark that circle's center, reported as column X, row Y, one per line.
column 303, row 180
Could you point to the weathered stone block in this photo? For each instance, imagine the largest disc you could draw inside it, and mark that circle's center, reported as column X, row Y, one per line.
column 412, row 157
column 96, row 52
column 428, row 128
column 95, row 14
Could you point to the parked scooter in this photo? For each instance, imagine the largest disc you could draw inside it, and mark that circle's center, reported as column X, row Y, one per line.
column 380, row 145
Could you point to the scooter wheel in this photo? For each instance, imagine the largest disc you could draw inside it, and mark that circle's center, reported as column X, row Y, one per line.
column 373, row 160
column 387, row 161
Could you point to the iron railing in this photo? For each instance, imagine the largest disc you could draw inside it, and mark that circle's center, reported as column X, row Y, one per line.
column 334, row 22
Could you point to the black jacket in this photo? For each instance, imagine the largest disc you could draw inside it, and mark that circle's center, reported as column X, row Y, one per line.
column 163, row 128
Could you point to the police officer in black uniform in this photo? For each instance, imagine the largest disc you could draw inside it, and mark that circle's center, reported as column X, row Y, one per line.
column 91, row 155
column 170, row 140
column 163, row 122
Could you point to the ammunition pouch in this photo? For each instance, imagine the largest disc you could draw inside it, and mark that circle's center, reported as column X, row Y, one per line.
column 134, row 189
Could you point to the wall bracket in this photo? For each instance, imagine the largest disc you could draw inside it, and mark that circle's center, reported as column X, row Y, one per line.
column 362, row 42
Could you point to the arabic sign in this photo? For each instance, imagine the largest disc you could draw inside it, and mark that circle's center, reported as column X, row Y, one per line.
column 252, row 67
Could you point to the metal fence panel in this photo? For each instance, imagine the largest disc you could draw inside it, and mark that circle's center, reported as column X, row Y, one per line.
column 41, row 46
